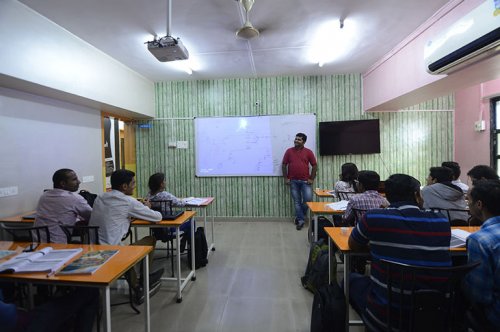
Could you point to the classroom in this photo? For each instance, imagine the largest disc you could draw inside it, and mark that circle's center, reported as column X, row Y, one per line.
column 57, row 88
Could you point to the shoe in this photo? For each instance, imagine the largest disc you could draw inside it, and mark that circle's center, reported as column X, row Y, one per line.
column 296, row 221
column 300, row 224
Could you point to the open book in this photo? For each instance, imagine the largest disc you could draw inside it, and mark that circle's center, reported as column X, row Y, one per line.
column 340, row 205
column 194, row 201
column 458, row 238
column 46, row 260
column 88, row 263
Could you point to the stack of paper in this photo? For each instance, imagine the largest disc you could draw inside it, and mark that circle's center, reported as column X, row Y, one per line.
column 339, row 206
column 458, row 238
column 45, row 260
column 194, row 201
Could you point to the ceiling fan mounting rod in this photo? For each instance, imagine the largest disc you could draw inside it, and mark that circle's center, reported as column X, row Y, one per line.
column 169, row 17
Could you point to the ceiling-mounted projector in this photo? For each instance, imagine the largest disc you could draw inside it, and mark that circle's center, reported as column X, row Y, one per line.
column 168, row 49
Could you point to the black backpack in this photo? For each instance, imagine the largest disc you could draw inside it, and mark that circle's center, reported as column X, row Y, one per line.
column 322, row 223
column 316, row 274
column 89, row 197
column 201, row 249
column 328, row 309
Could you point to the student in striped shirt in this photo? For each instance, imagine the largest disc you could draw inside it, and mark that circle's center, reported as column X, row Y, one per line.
column 401, row 233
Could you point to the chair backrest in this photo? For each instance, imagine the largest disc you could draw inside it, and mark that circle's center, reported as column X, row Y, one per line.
column 358, row 215
column 28, row 233
column 164, row 206
column 345, row 195
column 81, row 234
column 423, row 298
column 457, row 217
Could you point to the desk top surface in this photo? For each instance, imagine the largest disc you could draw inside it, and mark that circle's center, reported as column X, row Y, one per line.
column 320, row 207
column 340, row 236
column 19, row 218
column 323, row 192
column 171, row 223
column 124, row 259
column 207, row 202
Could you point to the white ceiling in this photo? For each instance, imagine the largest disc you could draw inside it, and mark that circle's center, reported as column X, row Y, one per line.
column 207, row 28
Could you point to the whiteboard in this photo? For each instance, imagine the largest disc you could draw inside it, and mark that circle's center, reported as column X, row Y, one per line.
column 248, row 145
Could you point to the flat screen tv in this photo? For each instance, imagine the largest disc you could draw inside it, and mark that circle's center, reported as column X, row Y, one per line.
column 349, row 137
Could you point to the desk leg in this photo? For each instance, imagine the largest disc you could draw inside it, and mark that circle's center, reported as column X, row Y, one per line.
column 315, row 230
column 212, row 246
column 178, row 253
column 193, row 249
column 147, row 306
column 330, row 263
column 106, row 309
column 347, row 264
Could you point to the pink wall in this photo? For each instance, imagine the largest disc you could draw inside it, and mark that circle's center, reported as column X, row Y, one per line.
column 400, row 80
column 473, row 104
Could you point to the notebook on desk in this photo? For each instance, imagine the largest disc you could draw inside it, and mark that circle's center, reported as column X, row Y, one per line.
column 458, row 238
column 165, row 208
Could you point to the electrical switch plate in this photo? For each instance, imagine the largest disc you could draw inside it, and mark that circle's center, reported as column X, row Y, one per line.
column 88, row 178
column 8, row 191
column 172, row 144
column 182, row 144
column 480, row 125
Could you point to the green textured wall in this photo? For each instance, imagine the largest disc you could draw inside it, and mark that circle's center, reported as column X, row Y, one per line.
column 411, row 141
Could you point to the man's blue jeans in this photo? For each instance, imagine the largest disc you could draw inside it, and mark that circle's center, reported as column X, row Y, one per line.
column 301, row 193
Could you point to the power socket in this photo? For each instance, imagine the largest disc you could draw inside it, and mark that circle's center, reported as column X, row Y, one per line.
column 480, row 126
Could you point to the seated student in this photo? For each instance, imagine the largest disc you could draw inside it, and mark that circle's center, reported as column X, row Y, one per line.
column 482, row 284
column 455, row 167
column 61, row 205
column 401, row 233
column 348, row 178
column 441, row 193
column 76, row 310
column 157, row 192
column 113, row 211
column 482, row 172
column 369, row 198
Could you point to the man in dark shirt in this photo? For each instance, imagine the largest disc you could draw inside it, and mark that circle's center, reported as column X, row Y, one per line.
column 401, row 233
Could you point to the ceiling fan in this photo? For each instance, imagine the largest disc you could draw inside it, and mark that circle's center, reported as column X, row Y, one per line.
column 247, row 31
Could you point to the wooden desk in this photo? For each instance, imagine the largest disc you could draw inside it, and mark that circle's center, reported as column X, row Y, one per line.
column 339, row 236
column 181, row 282
column 125, row 259
column 204, row 206
column 324, row 192
column 19, row 219
column 316, row 208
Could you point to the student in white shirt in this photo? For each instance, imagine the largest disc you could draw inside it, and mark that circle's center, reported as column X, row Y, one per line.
column 113, row 211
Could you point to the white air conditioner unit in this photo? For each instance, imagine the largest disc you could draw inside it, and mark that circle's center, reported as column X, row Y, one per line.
column 474, row 37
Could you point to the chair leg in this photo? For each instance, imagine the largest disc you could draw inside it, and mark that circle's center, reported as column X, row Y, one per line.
column 172, row 256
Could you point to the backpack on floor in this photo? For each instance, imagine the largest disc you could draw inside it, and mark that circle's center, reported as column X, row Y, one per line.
column 316, row 273
column 328, row 309
column 322, row 223
column 200, row 249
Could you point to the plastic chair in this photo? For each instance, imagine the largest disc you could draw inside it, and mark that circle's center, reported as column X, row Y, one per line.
column 81, row 234
column 345, row 195
column 414, row 307
column 28, row 233
column 451, row 215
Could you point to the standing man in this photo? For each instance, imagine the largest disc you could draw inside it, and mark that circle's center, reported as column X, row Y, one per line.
column 482, row 284
column 296, row 173
column 61, row 205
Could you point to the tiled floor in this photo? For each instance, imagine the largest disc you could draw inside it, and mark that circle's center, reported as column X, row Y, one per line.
column 252, row 283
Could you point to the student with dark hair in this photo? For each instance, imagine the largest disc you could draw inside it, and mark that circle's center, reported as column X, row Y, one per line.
column 156, row 193
column 61, row 205
column 369, row 198
column 401, row 233
column 348, row 178
column 482, row 172
column 295, row 168
column 113, row 211
column 455, row 167
column 441, row 193
column 482, row 284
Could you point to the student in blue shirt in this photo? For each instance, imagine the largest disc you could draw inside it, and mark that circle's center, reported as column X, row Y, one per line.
column 482, row 284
